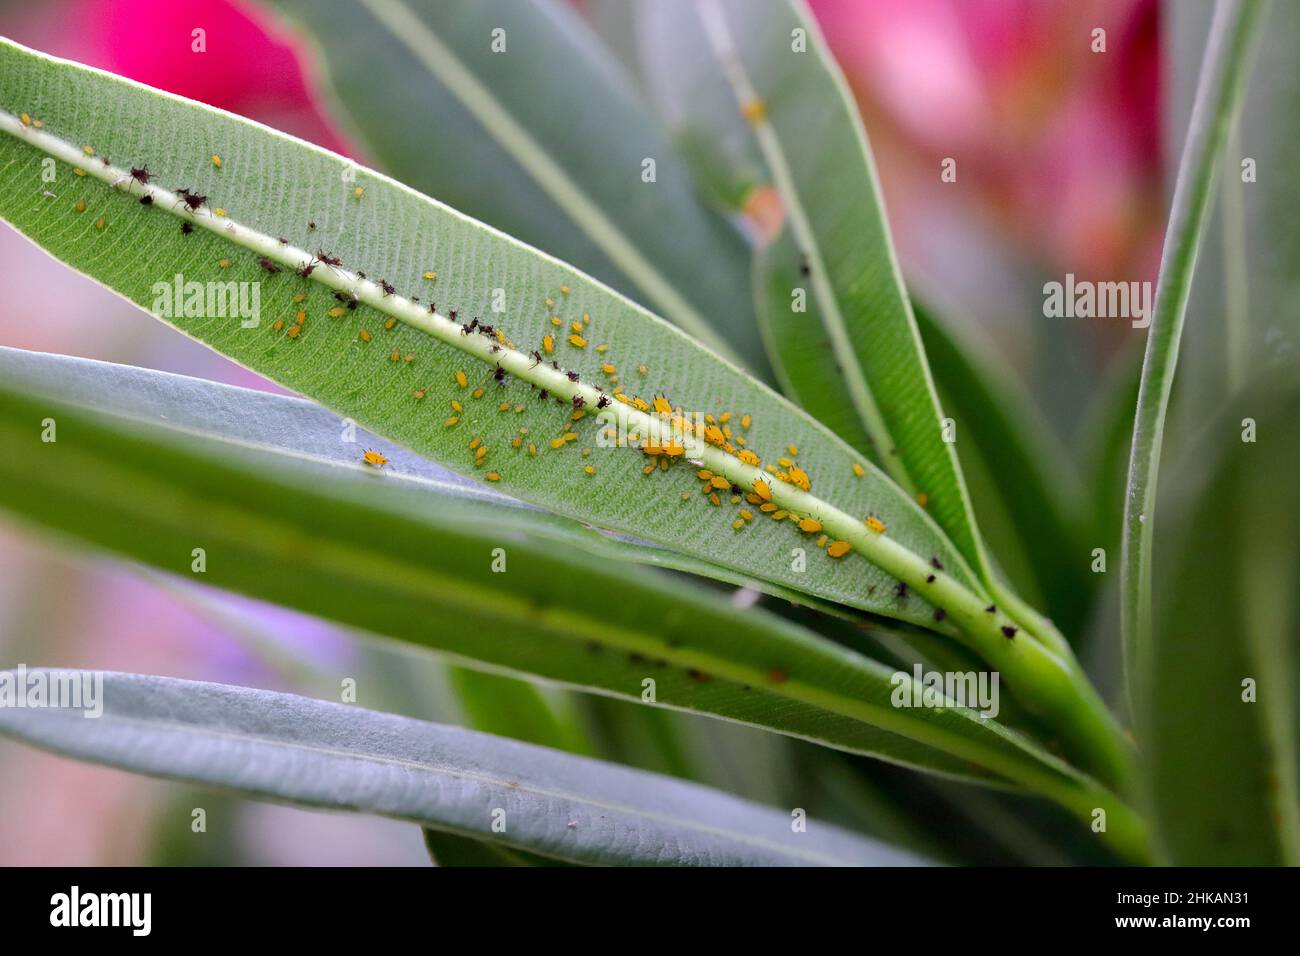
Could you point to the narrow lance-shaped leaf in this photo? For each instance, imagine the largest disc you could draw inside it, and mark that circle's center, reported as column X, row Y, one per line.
column 420, row 564
column 1222, row 77
column 463, row 100
column 482, row 395
column 315, row 754
column 777, row 64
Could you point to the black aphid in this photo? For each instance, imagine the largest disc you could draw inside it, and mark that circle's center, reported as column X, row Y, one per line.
column 186, row 228
column 602, row 401
column 499, row 374
column 579, row 401
column 328, row 259
column 140, row 174
column 386, row 286
column 940, row 614
column 267, row 264
column 571, row 376
column 543, row 394
column 311, row 223
column 146, row 200
column 929, row 579
column 191, row 199
column 306, row 270
column 992, row 609
column 1009, row 631
column 936, row 564
column 900, row 590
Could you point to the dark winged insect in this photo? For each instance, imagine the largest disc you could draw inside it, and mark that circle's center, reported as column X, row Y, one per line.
column 191, row 199
column 268, row 265
column 186, row 228
column 146, row 200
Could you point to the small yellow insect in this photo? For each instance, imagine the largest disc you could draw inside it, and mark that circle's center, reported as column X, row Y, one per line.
column 548, row 343
column 363, row 335
column 839, row 549
column 922, row 498
column 763, row 489
column 462, row 380
column 810, row 525
column 431, row 275
column 875, row 524
column 859, row 470
column 493, row 476
column 358, row 192
column 577, row 341
column 374, row 459
column 216, row 160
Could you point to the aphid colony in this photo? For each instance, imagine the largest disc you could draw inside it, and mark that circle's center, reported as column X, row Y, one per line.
column 662, row 452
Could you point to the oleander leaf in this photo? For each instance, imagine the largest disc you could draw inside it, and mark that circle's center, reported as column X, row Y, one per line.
column 311, row 753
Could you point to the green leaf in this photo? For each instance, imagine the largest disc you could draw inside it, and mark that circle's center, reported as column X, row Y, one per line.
column 316, row 754
column 153, row 466
column 820, row 163
column 394, row 233
column 551, row 155
column 1219, row 686
column 1222, row 77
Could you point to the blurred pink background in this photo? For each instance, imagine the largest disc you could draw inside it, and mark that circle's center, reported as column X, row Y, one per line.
column 1059, row 166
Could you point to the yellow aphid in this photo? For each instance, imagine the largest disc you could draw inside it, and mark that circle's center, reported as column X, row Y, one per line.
column 578, row 416
column 395, row 356
column 39, row 124
column 747, row 514
column 717, row 481
column 715, row 500
column 590, row 469
column 576, row 326
column 754, row 110
column 462, row 380
column 277, row 325
column 648, row 469
column 475, row 442
column 216, row 160
column 419, row 393
column 767, row 507
column 532, row 449
column 300, row 297
column 301, row 317
column 363, row 335
column 792, row 449
column 922, row 498
column 516, row 442
column 374, row 459
column 408, row 359
column 704, row 474
column 641, row 369
column 548, row 343
column 26, row 120
column 602, row 348
column 564, row 290
column 81, row 207
column 608, row 369
column 431, row 276
column 737, row 524
column 550, row 303
column 577, row 341
column 800, row 478
column 821, row 542
column 749, row 458
column 294, row 331
column 218, row 211
column 744, row 422
column 780, row 515
column 477, row 393
column 859, row 470
column 686, row 495
column 556, row 321
column 569, row 436
column 457, row 406
column 674, row 449
column 223, row 263
column 358, row 192
column 493, row 476
column 100, row 224
column 810, row 525
column 640, row 404
column 875, row 524
column 839, row 549
column 503, row 406
column 662, row 406
column 335, row 312
column 451, row 422
column 390, row 323
column 784, row 462
column 557, row 442
column 763, row 489
column 88, row 150
column 78, row 171
column 724, row 418
column 713, row 435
